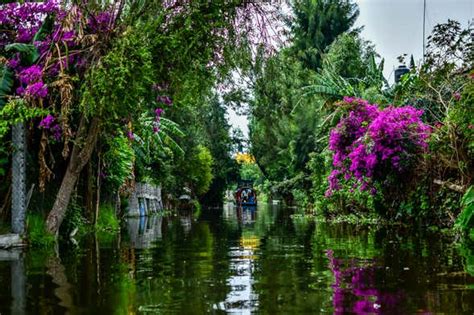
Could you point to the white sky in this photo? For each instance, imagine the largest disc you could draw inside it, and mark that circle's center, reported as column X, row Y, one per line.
column 396, row 27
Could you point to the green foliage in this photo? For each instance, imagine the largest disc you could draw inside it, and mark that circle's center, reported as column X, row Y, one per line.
column 121, row 82
column 37, row 235
column 200, row 170
column 157, row 152
column 6, row 83
column 3, row 162
column 149, row 141
column 29, row 53
column 317, row 24
column 348, row 56
column 465, row 220
column 250, row 171
column 107, row 220
column 74, row 219
column 16, row 111
column 218, row 140
column 118, row 161
column 280, row 141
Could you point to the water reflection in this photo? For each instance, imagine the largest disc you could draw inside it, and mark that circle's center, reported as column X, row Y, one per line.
column 356, row 290
column 243, row 261
column 242, row 298
column 143, row 231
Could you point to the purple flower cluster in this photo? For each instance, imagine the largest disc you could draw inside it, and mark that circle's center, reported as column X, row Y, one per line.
column 31, row 74
column 371, row 143
column 21, row 21
column 25, row 19
column 164, row 99
column 32, row 85
column 156, row 124
column 36, row 90
column 158, row 113
column 49, row 123
column 101, row 22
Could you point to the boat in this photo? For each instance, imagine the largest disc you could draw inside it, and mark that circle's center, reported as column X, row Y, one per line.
column 245, row 195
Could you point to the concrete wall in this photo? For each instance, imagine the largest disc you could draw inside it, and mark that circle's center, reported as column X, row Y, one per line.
column 145, row 200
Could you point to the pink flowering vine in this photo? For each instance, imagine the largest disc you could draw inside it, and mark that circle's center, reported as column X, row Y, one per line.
column 370, row 143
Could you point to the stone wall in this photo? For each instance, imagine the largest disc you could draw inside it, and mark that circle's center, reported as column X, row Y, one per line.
column 145, row 200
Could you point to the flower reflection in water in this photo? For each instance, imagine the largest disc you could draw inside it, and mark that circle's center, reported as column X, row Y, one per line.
column 356, row 290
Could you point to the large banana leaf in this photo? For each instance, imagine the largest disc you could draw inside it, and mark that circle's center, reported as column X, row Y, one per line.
column 466, row 218
column 29, row 53
column 6, row 83
column 45, row 29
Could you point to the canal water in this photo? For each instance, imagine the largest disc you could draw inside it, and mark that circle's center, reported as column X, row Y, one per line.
column 243, row 261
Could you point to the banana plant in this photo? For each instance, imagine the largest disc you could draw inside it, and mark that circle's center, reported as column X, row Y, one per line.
column 6, row 84
column 157, row 136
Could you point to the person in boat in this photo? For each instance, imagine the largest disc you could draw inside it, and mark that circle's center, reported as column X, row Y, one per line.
column 245, row 195
column 251, row 197
column 238, row 195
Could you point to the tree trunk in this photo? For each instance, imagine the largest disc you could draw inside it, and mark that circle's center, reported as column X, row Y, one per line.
column 97, row 201
column 80, row 156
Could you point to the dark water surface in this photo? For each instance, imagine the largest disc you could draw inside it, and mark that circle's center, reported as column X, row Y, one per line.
column 243, row 262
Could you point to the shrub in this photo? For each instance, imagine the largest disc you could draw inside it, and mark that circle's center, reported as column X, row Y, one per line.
column 372, row 144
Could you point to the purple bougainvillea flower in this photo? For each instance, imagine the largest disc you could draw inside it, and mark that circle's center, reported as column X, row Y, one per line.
column 130, row 135
column 159, row 111
column 47, row 122
column 20, row 91
column 14, row 62
column 31, row 74
column 37, row 90
column 102, row 22
column 369, row 143
column 57, row 132
column 165, row 100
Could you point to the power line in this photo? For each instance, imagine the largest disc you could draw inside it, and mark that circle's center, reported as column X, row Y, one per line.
column 424, row 26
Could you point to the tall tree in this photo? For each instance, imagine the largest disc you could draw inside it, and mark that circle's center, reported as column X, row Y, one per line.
column 316, row 25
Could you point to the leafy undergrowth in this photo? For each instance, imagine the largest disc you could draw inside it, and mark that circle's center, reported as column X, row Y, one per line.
column 465, row 220
column 107, row 220
column 37, row 235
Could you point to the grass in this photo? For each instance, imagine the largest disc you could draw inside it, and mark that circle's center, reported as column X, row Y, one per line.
column 107, row 220
column 37, row 235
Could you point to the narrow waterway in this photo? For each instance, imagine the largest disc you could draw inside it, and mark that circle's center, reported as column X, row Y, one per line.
column 243, row 261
